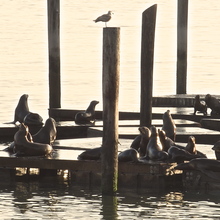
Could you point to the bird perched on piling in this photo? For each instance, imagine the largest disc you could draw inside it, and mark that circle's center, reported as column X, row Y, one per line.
column 104, row 18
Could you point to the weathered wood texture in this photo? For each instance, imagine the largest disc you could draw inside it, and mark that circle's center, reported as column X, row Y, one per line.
column 147, row 59
column 110, row 84
column 88, row 173
column 54, row 52
column 182, row 30
column 196, row 180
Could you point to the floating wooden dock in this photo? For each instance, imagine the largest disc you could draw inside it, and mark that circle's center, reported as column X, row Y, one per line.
column 196, row 180
column 130, row 174
column 73, row 139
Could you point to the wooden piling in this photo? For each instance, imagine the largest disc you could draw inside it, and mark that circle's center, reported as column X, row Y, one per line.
column 147, row 59
column 182, row 22
column 110, row 84
column 54, row 52
column 109, row 207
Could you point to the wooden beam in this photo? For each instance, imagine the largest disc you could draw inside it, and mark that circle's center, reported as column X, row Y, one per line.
column 182, row 22
column 54, row 52
column 147, row 59
column 110, row 84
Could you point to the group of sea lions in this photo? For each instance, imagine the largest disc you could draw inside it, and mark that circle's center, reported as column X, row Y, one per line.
column 153, row 145
column 159, row 144
column 40, row 143
column 26, row 144
column 210, row 102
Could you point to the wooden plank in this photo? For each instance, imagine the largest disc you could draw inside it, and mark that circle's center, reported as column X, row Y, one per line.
column 66, row 130
column 211, row 123
column 154, row 168
column 195, row 179
column 177, row 113
column 202, row 135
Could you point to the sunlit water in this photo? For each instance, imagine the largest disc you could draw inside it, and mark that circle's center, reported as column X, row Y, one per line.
column 24, row 69
column 53, row 200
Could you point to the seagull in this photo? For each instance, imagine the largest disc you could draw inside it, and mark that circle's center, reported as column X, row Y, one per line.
column 105, row 18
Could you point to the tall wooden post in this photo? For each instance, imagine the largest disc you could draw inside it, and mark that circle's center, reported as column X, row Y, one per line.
column 182, row 21
column 147, row 59
column 110, row 84
column 53, row 7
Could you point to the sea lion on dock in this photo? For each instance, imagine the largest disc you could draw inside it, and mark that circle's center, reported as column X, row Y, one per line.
column 216, row 148
column 199, row 106
column 179, row 155
column 145, row 137
column 129, row 155
column 212, row 103
column 191, row 145
column 154, row 148
column 169, row 125
column 91, row 154
column 23, row 115
column 209, row 167
column 165, row 141
column 87, row 116
column 47, row 134
column 24, row 146
column 136, row 143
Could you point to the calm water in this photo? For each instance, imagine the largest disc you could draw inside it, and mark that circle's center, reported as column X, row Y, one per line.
column 24, row 69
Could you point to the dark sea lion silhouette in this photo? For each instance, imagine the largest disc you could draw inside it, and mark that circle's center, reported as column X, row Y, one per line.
column 23, row 115
column 91, row 154
column 129, row 155
column 154, row 147
column 47, row 134
column 24, row 145
column 145, row 137
column 87, row 116
column 199, row 106
column 212, row 103
column 169, row 125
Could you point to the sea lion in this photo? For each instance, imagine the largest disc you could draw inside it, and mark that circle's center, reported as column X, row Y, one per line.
column 47, row 134
column 87, row 116
column 191, row 145
column 199, row 106
column 145, row 137
column 212, row 103
column 165, row 141
column 179, row 155
column 24, row 146
column 169, row 125
column 209, row 167
column 129, row 155
column 216, row 148
column 154, row 148
column 91, row 154
column 136, row 143
column 23, row 115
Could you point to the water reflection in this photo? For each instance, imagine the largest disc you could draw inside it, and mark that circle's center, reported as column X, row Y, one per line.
column 109, row 207
column 50, row 196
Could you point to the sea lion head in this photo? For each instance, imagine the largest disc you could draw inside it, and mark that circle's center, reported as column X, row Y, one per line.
column 145, row 131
